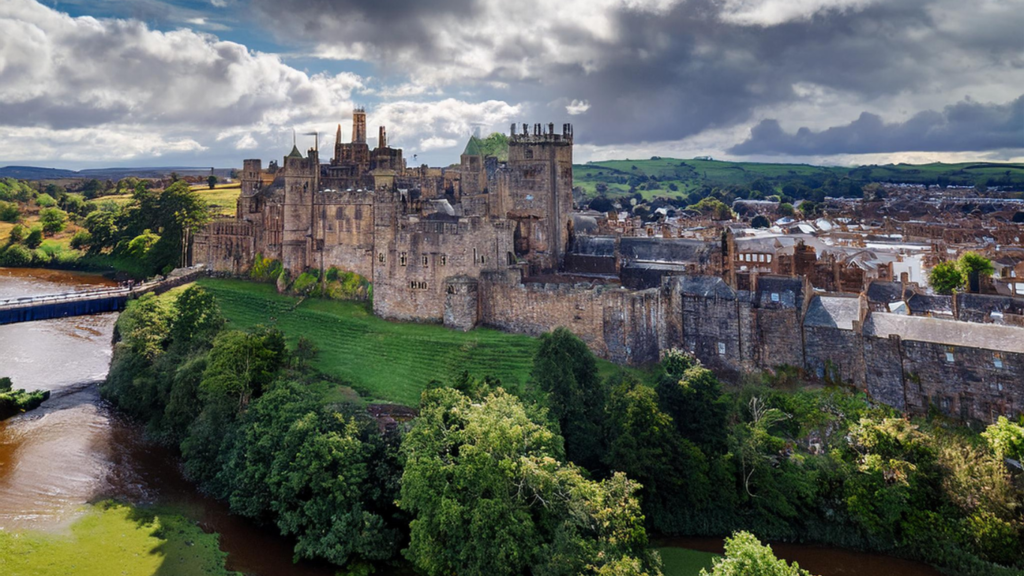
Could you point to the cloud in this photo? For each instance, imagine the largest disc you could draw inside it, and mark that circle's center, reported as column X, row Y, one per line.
column 964, row 126
column 433, row 143
column 146, row 92
column 775, row 12
column 664, row 70
column 577, row 107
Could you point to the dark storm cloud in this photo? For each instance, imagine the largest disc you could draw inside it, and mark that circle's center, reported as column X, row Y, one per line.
column 666, row 74
column 965, row 126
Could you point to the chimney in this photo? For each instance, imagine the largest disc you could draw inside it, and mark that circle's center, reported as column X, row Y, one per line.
column 382, row 137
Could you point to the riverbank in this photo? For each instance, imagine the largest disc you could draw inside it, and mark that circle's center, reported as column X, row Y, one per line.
column 112, row 538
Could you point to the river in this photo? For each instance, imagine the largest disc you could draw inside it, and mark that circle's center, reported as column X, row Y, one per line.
column 75, row 450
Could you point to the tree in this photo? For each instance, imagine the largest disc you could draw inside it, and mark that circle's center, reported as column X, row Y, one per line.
column 974, row 267
column 16, row 255
column 946, row 277
column 692, row 396
column 566, row 370
column 760, row 221
column 242, row 364
column 102, row 229
column 746, row 556
column 643, row 443
column 211, row 181
column 197, row 319
column 786, row 209
column 34, row 238
column 140, row 246
column 53, row 220
column 1006, row 439
column 81, row 239
column 9, row 212
column 17, row 234
column 602, row 204
column 489, row 494
column 712, row 207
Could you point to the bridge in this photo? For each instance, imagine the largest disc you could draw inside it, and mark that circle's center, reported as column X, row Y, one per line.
column 83, row 302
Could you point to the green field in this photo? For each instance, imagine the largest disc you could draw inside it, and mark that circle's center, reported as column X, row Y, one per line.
column 684, row 562
column 115, row 539
column 687, row 175
column 221, row 199
column 382, row 360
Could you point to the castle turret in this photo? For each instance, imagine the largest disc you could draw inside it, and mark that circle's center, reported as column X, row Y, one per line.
column 359, row 126
column 301, row 181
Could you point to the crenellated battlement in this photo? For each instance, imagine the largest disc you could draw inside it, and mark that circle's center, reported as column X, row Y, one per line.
column 540, row 134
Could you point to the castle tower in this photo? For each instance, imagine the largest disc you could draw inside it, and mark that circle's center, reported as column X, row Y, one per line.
column 301, row 181
column 382, row 137
column 540, row 194
column 337, row 147
column 359, row 126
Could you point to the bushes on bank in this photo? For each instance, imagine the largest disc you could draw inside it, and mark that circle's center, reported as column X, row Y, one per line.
column 13, row 402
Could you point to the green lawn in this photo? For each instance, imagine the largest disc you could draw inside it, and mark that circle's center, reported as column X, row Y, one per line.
column 684, row 562
column 382, row 360
column 115, row 539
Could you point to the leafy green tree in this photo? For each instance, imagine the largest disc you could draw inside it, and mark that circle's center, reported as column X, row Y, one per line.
column 712, row 207
column 760, row 221
column 746, row 556
column 53, row 220
column 242, row 364
column 490, row 495
column 974, row 266
column 320, row 481
column 9, row 212
column 16, row 255
column 786, row 209
column 643, row 443
column 102, row 229
column 140, row 246
column 211, row 181
column 197, row 319
column 81, row 239
column 692, row 396
column 45, row 201
column 92, row 189
column 1006, row 439
column 17, row 234
column 946, row 277
column 6, row 384
column 34, row 238
column 566, row 370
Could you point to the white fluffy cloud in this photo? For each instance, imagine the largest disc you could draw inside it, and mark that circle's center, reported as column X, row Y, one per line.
column 87, row 89
column 774, row 12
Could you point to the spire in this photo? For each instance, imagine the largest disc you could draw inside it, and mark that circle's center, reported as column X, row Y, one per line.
column 337, row 139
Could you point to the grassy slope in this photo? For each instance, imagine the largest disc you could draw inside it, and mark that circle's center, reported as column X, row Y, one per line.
column 689, row 174
column 684, row 562
column 389, row 361
column 115, row 539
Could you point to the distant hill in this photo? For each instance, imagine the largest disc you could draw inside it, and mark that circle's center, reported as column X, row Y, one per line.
column 37, row 173
column 657, row 176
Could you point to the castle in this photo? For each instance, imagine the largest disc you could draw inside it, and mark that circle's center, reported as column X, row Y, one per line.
column 498, row 243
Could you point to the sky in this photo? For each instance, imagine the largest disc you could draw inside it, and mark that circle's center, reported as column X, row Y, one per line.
column 101, row 83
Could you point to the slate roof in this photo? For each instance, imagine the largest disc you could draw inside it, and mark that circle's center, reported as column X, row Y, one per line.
column 885, row 292
column 706, row 286
column 295, row 152
column 678, row 250
column 594, row 246
column 921, row 304
column 832, row 312
column 948, row 332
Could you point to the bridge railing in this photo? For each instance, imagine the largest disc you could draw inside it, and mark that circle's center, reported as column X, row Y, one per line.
column 140, row 288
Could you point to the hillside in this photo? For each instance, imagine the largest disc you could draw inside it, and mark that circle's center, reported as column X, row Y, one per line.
column 39, row 173
column 657, row 176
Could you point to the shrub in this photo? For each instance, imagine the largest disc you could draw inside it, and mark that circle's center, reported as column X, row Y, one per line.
column 18, row 233
column 9, row 212
column 34, row 238
column 16, row 255
column 53, row 220
column 45, row 201
column 81, row 239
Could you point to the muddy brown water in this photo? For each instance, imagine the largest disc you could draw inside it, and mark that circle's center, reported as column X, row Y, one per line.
column 75, row 450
